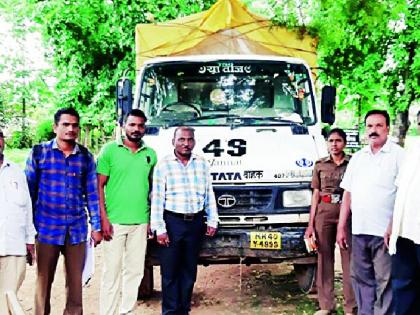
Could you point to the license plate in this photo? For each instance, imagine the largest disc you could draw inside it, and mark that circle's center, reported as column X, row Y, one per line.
column 265, row 240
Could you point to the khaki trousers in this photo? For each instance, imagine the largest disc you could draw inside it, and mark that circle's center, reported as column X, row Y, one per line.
column 46, row 260
column 12, row 273
column 326, row 220
column 123, row 268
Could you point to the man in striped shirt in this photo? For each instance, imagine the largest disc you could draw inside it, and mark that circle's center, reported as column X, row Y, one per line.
column 182, row 194
column 62, row 181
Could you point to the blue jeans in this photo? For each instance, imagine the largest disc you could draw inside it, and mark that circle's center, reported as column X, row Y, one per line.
column 406, row 277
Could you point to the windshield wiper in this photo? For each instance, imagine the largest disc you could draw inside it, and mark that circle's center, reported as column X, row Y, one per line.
column 214, row 116
column 250, row 120
column 181, row 121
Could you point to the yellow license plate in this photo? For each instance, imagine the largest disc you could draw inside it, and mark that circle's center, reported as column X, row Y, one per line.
column 265, row 240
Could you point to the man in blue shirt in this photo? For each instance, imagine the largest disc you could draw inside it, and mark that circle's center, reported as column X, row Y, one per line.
column 62, row 181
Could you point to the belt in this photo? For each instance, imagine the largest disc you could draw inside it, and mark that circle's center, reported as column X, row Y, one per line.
column 331, row 198
column 185, row 216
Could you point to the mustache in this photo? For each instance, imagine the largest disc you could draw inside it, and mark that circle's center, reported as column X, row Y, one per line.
column 373, row 134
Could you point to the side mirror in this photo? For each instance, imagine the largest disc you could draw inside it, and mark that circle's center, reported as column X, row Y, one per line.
column 124, row 94
column 328, row 104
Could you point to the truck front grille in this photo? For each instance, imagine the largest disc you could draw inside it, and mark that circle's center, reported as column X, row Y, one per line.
column 244, row 200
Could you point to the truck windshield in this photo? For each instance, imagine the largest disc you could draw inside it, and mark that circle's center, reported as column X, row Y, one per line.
column 205, row 93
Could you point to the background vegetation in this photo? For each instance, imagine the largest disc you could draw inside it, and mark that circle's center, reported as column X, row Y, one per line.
column 368, row 49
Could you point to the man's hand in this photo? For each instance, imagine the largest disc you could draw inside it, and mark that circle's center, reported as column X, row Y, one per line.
column 30, row 254
column 107, row 229
column 163, row 239
column 309, row 232
column 211, row 231
column 387, row 234
column 150, row 234
column 342, row 238
column 96, row 237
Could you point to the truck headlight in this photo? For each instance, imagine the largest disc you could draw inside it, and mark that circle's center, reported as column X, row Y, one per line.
column 297, row 198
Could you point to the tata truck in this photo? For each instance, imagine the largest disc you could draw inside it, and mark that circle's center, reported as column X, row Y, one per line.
column 257, row 122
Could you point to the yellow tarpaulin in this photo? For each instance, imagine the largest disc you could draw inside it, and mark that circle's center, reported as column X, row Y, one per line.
column 226, row 28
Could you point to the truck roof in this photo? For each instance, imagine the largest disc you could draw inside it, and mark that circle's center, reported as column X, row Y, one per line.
column 208, row 58
column 227, row 28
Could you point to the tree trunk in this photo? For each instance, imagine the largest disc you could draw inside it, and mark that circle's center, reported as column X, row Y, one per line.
column 401, row 125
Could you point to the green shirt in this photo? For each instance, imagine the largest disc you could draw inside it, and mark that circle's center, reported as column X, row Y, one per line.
column 127, row 189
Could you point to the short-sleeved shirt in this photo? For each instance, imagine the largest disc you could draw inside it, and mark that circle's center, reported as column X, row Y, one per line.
column 327, row 175
column 127, row 188
column 370, row 178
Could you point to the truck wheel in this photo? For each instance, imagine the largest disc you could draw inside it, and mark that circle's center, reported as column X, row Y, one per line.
column 146, row 285
column 305, row 275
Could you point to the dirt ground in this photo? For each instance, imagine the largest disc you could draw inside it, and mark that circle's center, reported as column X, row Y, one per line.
column 220, row 289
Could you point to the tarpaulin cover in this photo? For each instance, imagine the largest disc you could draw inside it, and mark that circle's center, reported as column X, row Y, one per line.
column 226, row 28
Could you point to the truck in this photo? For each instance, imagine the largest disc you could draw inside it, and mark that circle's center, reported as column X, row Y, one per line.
column 247, row 88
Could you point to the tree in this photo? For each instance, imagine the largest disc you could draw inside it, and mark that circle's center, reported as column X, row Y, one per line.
column 23, row 77
column 369, row 49
column 92, row 45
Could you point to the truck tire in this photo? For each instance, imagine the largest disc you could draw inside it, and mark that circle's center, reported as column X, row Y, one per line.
column 305, row 276
column 146, row 285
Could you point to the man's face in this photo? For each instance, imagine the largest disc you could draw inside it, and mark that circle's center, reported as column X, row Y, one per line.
column 377, row 130
column 134, row 128
column 67, row 128
column 184, row 142
column 335, row 144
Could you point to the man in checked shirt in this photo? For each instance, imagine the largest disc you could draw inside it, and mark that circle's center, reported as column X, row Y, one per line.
column 62, row 181
column 182, row 194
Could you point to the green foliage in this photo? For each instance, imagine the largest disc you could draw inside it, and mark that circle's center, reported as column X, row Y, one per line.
column 44, row 131
column 369, row 49
column 20, row 139
column 23, row 88
column 93, row 45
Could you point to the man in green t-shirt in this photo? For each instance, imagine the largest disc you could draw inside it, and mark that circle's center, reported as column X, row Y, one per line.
column 124, row 172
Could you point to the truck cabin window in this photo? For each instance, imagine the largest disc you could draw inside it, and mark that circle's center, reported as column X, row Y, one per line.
column 222, row 89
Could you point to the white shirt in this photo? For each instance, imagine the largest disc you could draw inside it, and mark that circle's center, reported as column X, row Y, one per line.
column 16, row 225
column 370, row 179
column 406, row 220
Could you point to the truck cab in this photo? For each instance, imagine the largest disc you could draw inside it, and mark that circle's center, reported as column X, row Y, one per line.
column 257, row 124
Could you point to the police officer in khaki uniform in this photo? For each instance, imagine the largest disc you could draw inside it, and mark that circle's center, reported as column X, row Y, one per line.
column 322, row 228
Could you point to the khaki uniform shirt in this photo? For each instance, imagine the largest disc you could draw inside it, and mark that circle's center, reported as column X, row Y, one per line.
column 327, row 175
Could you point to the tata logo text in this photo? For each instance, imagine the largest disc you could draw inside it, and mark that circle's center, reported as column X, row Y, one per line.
column 304, row 162
column 226, row 176
column 226, row 201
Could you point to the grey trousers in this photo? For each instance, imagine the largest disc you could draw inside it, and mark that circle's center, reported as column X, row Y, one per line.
column 371, row 275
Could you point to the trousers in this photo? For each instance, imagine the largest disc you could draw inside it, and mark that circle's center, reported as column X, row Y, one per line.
column 406, row 277
column 178, row 263
column 123, row 268
column 371, row 275
column 326, row 221
column 46, row 261
column 12, row 274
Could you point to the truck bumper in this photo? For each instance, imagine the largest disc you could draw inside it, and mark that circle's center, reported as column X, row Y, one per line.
column 233, row 246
